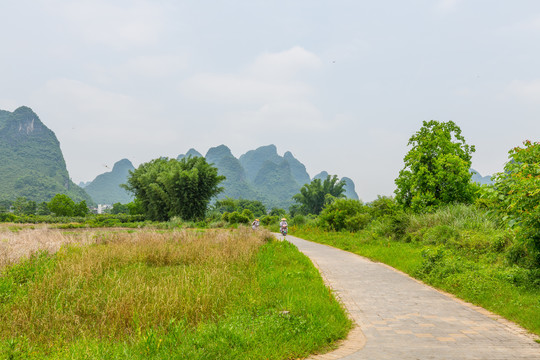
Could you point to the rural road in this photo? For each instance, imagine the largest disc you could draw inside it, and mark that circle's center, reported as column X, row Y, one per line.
column 400, row 318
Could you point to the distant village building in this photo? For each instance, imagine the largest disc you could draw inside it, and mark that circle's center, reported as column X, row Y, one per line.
column 101, row 208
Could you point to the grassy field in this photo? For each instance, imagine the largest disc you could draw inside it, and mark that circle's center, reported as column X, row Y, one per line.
column 147, row 294
column 457, row 250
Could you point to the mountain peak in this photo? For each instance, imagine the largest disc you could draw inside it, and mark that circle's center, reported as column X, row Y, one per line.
column 123, row 164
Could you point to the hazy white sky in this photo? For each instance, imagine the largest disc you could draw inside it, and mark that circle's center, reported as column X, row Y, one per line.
column 342, row 84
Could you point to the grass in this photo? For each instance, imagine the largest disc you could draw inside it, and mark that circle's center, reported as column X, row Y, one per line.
column 227, row 294
column 458, row 249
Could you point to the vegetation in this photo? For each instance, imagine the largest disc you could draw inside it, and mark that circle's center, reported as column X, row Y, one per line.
column 516, row 194
column 31, row 161
column 314, row 196
column 162, row 295
column 436, row 169
column 62, row 205
column 170, row 187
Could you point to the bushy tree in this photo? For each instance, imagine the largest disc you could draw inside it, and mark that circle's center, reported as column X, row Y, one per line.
column 61, row 205
column 81, row 209
column 119, row 208
column 170, row 187
column 344, row 214
column 436, row 168
column 516, row 193
column 313, row 196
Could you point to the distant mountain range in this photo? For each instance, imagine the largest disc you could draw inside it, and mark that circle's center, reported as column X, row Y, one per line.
column 31, row 162
column 479, row 179
column 260, row 174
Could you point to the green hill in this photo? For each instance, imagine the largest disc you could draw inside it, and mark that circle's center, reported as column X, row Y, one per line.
column 235, row 185
column 105, row 188
column 31, row 161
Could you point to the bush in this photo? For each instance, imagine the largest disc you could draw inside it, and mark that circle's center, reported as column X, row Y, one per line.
column 344, row 214
column 239, row 218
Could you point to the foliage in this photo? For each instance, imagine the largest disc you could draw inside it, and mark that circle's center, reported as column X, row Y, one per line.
column 62, row 205
column 230, row 205
column 313, row 196
column 516, row 193
column 23, row 206
column 436, row 168
column 170, row 187
column 344, row 214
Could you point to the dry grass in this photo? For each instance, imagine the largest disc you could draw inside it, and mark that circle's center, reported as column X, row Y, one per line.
column 125, row 282
column 18, row 242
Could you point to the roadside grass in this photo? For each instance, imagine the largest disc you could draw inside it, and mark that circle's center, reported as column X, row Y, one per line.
column 226, row 294
column 461, row 251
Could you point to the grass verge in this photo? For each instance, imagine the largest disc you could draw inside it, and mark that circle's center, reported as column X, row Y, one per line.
column 481, row 277
column 169, row 294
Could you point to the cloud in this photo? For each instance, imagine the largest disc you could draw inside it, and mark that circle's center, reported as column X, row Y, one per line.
column 103, row 22
column 91, row 112
column 156, row 66
column 448, row 5
column 528, row 91
column 272, row 77
column 284, row 65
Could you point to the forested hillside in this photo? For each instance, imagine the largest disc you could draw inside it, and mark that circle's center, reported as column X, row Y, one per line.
column 105, row 189
column 31, row 161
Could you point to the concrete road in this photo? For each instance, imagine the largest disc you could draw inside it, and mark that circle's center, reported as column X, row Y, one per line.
column 401, row 318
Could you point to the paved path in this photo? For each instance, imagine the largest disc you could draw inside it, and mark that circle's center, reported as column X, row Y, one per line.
column 401, row 318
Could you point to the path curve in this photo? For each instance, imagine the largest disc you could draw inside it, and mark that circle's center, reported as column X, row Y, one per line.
column 399, row 317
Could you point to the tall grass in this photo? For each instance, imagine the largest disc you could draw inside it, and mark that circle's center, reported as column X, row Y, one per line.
column 181, row 294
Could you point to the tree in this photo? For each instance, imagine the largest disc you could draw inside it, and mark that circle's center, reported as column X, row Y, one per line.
column 436, row 168
column 119, row 208
column 23, row 206
column 516, row 193
column 61, row 205
column 170, row 187
column 80, row 209
column 230, row 205
column 313, row 196
column 344, row 214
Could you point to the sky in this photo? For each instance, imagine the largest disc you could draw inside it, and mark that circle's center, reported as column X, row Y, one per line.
column 342, row 84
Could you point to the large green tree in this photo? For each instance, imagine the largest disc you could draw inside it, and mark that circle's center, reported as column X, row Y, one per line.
column 516, row 193
column 436, row 168
column 313, row 196
column 170, row 187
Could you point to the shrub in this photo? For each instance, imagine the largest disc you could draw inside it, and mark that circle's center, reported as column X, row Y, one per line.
column 238, row 218
column 344, row 214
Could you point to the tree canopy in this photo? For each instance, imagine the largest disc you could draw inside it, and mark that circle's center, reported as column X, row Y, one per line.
column 436, row 168
column 516, row 193
column 313, row 196
column 170, row 187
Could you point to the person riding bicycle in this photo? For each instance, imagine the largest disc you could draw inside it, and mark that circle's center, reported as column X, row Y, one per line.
column 255, row 224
